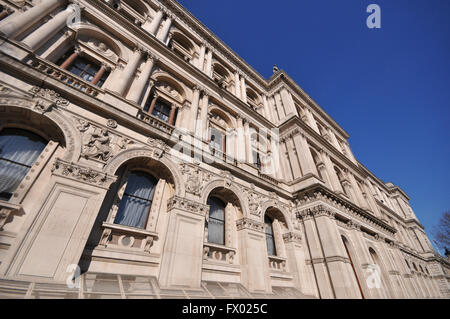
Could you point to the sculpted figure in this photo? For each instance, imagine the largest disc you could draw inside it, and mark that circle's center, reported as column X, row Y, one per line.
column 98, row 145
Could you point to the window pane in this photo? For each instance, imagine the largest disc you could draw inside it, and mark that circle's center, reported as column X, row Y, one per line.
column 216, row 232
column 137, row 199
column 270, row 246
column 132, row 212
column 216, row 139
column 216, row 223
column 19, row 149
column 271, row 251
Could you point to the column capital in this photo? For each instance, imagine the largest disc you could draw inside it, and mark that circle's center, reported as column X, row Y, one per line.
column 106, row 66
column 139, row 49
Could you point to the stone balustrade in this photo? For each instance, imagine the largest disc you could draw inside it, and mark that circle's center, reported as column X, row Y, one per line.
column 6, row 211
column 64, row 76
column 125, row 237
column 219, row 253
column 277, row 263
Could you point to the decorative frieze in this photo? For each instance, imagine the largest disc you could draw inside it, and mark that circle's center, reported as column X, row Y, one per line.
column 316, row 211
column 49, row 95
column 319, row 193
column 82, row 174
column 196, row 178
column 187, row 205
column 292, row 237
column 251, row 224
column 100, row 143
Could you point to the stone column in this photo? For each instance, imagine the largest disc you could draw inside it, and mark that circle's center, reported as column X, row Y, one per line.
column 40, row 36
column 182, row 256
column 172, row 114
column 345, row 285
column 243, row 89
column 333, row 138
column 248, row 142
column 312, row 122
column 208, row 67
column 240, row 140
column 335, row 183
column 267, row 112
column 99, row 74
column 194, row 109
column 371, row 199
column 255, row 275
column 19, row 21
column 279, row 105
column 293, row 158
column 71, row 59
column 304, row 154
column 201, row 59
column 152, row 105
column 127, row 74
column 316, row 257
column 274, row 110
column 137, row 89
column 154, row 25
column 162, row 35
column 229, row 220
column 202, row 125
column 237, row 83
column 284, row 160
column 288, row 101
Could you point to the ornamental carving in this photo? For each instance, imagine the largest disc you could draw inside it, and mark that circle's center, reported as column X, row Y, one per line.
column 187, row 205
column 100, row 143
column 247, row 223
column 158, row 147
column 196, row 178
column 292, row 237
column 170, row 90
column 82, row 174
column 316, row 211
column 254, row 202
column 98, row 146
column 111, row 124
column 50, row 95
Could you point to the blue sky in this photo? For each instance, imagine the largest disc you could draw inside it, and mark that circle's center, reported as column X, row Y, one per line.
column 389, row 88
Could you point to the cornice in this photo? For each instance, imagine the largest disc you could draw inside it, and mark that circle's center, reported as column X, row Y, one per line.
column 282, row 76
column 319, row 192
column 295, row 120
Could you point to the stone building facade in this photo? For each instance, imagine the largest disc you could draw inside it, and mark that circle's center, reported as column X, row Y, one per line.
column 138, row 150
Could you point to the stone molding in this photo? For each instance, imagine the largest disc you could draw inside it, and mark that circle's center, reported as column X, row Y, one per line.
column 292, row 237
column 251, row 224
column 82, row 174
column 318, row 192
column 187, row 205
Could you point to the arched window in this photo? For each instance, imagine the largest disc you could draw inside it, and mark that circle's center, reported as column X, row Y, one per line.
column 270, row 240
column 216, row 221
column 19, row 149
column 137, row 200
column 83, row 67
